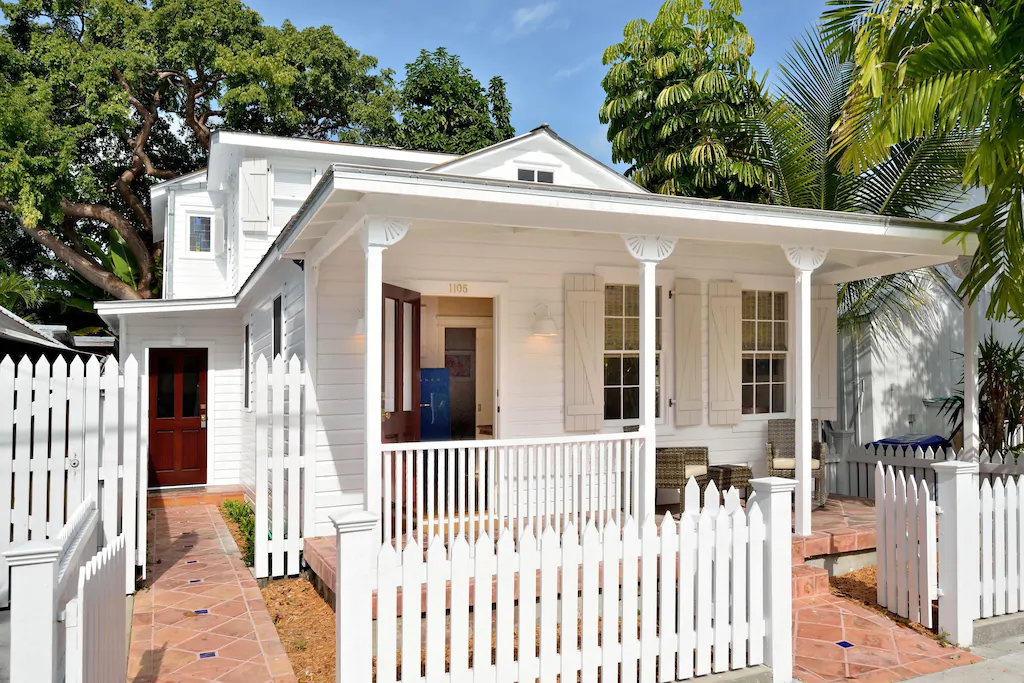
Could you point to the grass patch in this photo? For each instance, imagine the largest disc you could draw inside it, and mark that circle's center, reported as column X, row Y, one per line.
column 243, row 516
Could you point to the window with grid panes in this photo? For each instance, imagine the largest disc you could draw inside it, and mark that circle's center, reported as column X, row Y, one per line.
column 765, row 351
column 622, row 352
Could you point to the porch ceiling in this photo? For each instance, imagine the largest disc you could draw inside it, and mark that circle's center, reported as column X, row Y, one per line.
column 859, row 245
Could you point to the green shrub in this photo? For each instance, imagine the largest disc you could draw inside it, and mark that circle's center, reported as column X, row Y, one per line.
column 242, row 514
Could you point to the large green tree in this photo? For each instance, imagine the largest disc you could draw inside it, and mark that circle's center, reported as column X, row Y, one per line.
column 924, row 67
column 444, row 108
column 103, row 98
column 917, row 178
column 681, row 101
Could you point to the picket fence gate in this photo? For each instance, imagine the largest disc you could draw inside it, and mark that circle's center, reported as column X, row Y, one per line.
column 907, row 545
column 282, row 505
column 68, row 606
column 70, row 432
column 707, row 594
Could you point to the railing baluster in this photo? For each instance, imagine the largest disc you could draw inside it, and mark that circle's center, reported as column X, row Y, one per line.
column 387, row 474
column 450, row 459
column 430, row 465
column 420, row 455
column 408, row 465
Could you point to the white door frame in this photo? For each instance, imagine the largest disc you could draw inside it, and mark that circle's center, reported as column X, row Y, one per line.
column 469, row 289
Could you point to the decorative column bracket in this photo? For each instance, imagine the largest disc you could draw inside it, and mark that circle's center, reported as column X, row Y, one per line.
column 383, row 232
column 805, row 258
column 649, row 248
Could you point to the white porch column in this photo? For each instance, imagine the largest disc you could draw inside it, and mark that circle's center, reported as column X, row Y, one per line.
column 649, row 250
column 378, row 235
column 971, row 429
column 804, row 260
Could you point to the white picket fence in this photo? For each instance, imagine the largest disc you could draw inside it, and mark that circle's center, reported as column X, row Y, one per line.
column 706, row 594
column 444, row 488
column 70, row 433
column 281, row 468
column 68, row 606
column 1002, row 543
column 856, row 472
column 907, row 545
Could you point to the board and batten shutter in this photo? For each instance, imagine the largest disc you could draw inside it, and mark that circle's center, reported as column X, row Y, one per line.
column 824, row 351
column 725, row 405
column 584, row 353
column 689, row 409
column 255, row 198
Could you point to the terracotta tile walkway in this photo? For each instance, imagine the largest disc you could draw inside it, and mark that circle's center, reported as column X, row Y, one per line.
column 202, row 617
column 882, row 651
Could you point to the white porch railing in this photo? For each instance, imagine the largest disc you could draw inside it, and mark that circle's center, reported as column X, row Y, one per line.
column 68, row 615
column 477, row 487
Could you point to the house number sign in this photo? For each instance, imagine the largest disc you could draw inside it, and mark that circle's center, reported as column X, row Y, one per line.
column 458, row 288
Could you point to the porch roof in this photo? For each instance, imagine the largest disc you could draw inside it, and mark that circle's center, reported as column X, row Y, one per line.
column 347, row 194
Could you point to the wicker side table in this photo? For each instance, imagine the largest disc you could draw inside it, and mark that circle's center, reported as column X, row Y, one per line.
column 731, row 476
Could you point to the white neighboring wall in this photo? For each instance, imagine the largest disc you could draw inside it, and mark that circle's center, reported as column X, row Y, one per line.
column 221, row 333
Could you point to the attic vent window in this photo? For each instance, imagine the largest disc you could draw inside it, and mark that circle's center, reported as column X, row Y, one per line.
column 530, row 175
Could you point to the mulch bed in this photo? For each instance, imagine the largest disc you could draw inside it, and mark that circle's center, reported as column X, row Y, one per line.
column 305, row 624
column 861, row 587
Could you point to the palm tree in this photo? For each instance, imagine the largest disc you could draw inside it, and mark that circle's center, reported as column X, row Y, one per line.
column 19, row 294
column 936, row 68
column 916, row 179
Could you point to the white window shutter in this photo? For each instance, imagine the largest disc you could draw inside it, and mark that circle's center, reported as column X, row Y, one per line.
column 255, row 198
column 824, row 352
column 584, row 353
column 689, row 409
column 725, row 404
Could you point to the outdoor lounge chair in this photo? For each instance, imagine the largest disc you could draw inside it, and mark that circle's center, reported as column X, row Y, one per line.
column 780, row 452
column 674, row 466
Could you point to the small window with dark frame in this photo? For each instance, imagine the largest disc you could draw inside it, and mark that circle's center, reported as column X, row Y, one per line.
column 247, row 360
column 622, row 352
column 200, row 229
column 529, row 175
column 765, row 352
column 278, row 328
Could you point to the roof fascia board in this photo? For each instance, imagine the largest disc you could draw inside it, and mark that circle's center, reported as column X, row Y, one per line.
column 105, row 308
column 300, row 145
column 424, row 184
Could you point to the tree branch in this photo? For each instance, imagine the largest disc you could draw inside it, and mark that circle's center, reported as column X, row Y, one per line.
column 138, row 247
column 87, row 268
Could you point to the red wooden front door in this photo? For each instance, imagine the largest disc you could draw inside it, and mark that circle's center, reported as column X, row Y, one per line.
column 177, row 417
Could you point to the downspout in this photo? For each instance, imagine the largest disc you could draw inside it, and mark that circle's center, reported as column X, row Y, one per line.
column 169, row 236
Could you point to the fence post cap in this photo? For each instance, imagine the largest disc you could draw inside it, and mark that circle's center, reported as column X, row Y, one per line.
column 354, row 521
column 769, row 485
column 956, row 467
column 32, row 552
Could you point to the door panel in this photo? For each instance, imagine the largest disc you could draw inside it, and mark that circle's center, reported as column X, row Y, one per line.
column 400, row 366
column 177, row 417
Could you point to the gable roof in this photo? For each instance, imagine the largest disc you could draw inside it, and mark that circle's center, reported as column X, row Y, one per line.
column 543, row 130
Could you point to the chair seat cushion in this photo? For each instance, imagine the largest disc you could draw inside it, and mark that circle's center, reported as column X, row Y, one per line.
column 790, row 463
column 695, row 471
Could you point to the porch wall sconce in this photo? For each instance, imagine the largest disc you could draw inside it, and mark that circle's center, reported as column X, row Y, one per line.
column 361, row 325
column 543, row 324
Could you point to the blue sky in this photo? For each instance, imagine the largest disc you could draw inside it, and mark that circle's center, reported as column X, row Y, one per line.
column 549, row 51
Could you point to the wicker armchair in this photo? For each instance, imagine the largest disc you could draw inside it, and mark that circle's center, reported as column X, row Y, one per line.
column 780, row 452
column 673, row 468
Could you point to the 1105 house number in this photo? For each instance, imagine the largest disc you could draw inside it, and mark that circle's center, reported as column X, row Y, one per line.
column 458, row 288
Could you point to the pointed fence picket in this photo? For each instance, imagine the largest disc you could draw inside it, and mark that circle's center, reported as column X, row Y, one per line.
column 71, row 432
column 280, row 466
column 907, row 545
column 637, row 603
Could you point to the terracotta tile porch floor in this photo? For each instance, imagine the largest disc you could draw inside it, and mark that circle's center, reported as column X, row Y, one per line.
column 202, row 617
column 882, row 651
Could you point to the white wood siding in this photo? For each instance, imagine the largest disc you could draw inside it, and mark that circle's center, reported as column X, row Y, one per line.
column 222, row 333
column 195, row 276
column 534, row 265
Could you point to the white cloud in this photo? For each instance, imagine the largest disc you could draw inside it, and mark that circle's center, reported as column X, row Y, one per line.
column 570, row 71
column 528, row 19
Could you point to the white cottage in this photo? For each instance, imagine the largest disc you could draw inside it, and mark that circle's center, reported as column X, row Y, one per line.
column 568, row 307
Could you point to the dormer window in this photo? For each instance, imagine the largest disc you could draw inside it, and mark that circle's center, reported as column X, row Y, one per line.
column 200, row 229
column 530, row 175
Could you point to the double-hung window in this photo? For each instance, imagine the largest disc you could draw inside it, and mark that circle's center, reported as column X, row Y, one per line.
column 622, row 352
column 765, row 318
